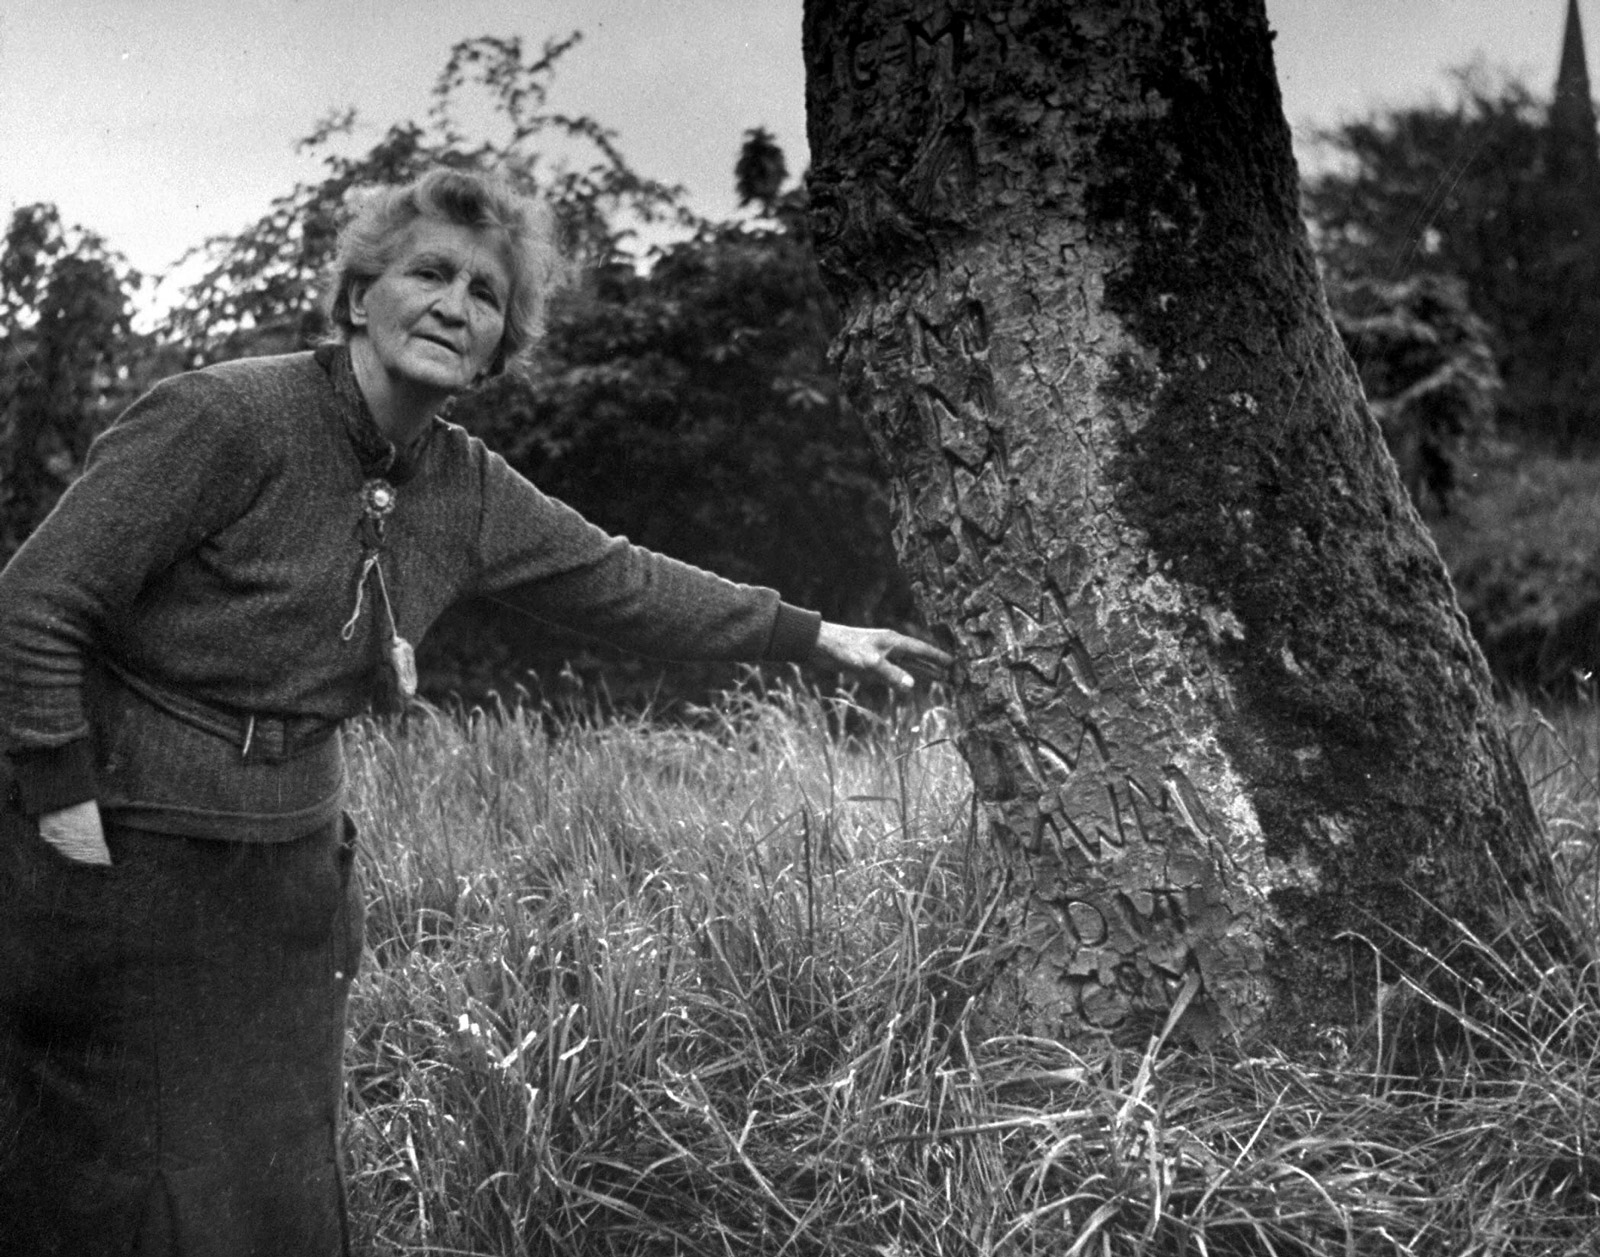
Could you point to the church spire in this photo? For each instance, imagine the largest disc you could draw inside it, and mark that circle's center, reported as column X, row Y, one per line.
column 1574, row 149
column 1572, row 80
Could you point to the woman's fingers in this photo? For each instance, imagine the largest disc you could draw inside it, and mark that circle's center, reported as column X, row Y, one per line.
column 882, row 652
column 920, row 656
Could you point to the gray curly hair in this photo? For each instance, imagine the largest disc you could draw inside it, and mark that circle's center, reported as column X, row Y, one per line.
column 375, row 236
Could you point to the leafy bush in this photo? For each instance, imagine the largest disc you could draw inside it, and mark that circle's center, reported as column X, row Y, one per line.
column 692, row 408
column 1524, row 553
column 1476, row 187
column 260, row 287
column 1428, row 373
column 65, row 307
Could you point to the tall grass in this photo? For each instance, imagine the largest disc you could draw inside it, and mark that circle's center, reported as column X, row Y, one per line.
column 707, row 988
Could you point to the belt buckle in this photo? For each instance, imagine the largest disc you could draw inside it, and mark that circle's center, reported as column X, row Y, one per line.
column 267, row 737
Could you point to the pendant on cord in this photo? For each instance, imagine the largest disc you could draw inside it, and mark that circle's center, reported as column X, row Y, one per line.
column 404, row 662
column 377, row 501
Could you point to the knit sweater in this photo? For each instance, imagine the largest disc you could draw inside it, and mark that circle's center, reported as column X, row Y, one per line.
column 214, row 548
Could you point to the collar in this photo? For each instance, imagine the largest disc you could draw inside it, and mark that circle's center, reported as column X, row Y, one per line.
column 377, row 454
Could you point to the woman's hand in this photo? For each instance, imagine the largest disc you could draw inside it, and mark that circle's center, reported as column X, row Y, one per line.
column 878, row 652
column 76, row 833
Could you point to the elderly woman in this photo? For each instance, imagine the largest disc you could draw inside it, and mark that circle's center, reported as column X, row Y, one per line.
column 244, row 563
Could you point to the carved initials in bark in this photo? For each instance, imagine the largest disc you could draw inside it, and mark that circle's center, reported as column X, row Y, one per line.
column 908, row 49
column 1215, row 691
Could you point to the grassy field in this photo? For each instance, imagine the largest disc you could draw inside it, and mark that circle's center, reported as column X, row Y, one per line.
column 705, row 989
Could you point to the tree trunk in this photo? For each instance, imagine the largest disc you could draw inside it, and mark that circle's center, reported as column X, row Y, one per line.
column 1215, row 690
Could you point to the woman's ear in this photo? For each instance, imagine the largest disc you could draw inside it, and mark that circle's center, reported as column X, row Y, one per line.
column 358, row 302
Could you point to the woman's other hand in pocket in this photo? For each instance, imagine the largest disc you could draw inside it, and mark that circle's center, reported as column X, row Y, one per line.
column 76, row 833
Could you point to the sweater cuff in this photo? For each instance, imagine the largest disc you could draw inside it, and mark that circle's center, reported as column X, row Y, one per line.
column 794, row 634
column 53, row 778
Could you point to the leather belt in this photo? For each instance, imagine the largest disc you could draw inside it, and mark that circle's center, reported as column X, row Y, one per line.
column 260, row 736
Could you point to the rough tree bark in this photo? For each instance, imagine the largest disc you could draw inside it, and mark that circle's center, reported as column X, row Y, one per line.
column 1215, row 692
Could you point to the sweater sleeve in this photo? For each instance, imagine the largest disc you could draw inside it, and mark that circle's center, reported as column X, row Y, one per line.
column 177, row 466
column 553, row 564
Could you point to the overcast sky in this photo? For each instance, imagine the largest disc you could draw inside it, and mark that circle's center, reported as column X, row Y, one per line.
column 159, row 122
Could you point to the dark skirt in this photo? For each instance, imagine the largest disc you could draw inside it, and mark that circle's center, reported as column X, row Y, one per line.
column 171, row 1034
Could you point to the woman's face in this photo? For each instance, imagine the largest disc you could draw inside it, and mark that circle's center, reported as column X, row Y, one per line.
column 434, row 319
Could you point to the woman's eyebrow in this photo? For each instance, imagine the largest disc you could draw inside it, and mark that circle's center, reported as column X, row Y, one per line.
column 452, row 262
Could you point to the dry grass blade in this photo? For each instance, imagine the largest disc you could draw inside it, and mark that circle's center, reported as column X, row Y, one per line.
column 635, row 990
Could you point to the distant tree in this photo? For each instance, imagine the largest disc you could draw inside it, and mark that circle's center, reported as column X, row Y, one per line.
column 760, row 171
column 1474, row 188
column 692, row 407
column 65, row 342
column 260, row 287
column 1429, row 374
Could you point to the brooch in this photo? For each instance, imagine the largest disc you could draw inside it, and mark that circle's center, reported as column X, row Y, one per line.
column 377, row 502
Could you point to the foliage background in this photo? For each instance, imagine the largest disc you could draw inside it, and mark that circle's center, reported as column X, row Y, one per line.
column 685, row 399
column 1461, row 244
